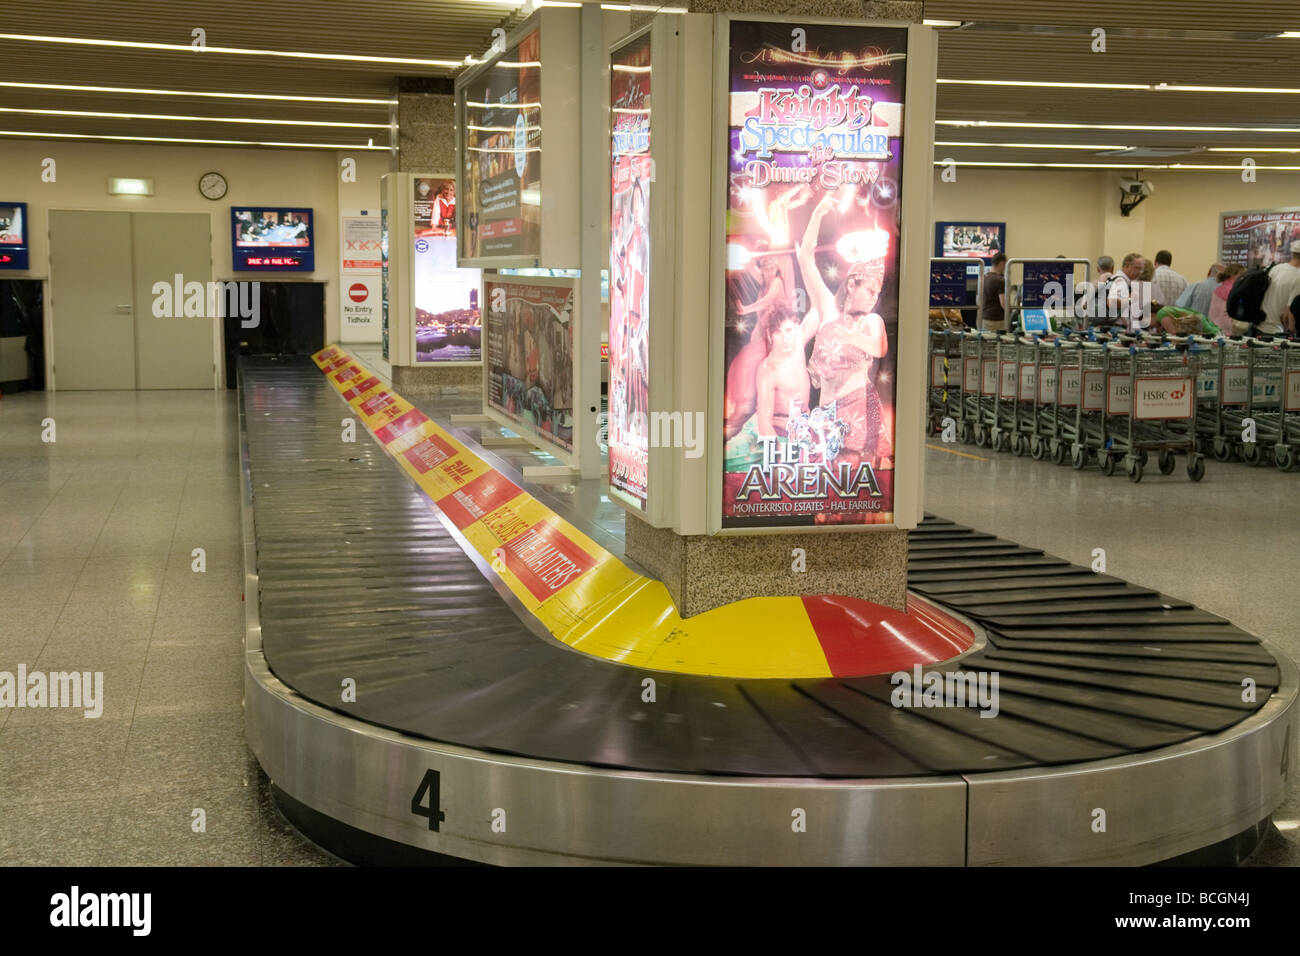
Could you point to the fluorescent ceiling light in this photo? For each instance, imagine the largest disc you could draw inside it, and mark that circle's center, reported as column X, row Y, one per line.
column 642, row 8
column 1151, row 87
column 1252, row 149
column 1030, row 145
column 1120, row 126
column 280, row 97
column 182, row 139
column 1119, row 166
column 187, row 48
column 941, row 23
column 192, row 119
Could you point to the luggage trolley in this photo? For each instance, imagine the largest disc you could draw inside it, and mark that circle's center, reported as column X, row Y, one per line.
column 1005, row 399
column 945, row 377
column 1286, row 453
column 1048, row 355
column 1026, row 428
column 1150, row 407
column 1209, row 372
column 980, row 387
column 1265, row 406
column 1082, row 390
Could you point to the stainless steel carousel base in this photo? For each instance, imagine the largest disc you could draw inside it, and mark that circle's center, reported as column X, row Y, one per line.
column 506, row 810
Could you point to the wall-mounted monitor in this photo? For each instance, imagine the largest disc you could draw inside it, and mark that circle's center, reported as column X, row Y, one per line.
column 271, row 239
column 970, row 240
column 515, row 111
column 13, row 235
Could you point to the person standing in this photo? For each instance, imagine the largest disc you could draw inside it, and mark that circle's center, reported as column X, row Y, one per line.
column 1168, row 285
column 1129, row 298
column 1199, row 296
column 993, row 298
column 1218, row 312
column 1282, row 289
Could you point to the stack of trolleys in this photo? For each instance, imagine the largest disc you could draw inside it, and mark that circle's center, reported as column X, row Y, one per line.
column 1210, row 371
column 1026, row 426
column 1151, row 407
column 968, row 412
column 945, row 379
column 1234, row 396
column 984, row 410
column 1286, row 453
column 1048, row 354
column 1083, row 392
column 1264, row 364
column 1005, row 400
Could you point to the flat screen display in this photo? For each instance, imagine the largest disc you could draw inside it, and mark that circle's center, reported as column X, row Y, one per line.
column 448, row 323
column 629, row 273
column 13, row 235
column 529, row 355
column 501, row 140
column 970, row 240
column 815, row 147
column 274, row 238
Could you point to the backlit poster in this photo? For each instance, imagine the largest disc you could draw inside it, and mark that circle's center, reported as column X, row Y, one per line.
column 384, row 277
column 502, row 174
column 815, row 163
column 629, row 275
column 1257, row 237
column 529, row 354
column 13, row 235
column 448, row 327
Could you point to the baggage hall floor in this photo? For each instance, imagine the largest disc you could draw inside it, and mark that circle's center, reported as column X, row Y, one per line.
column 98, row 529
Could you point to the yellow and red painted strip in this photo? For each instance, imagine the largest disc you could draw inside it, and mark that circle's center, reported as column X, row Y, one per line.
column 588, row 599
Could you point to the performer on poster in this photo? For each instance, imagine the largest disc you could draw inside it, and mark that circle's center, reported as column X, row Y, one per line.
column 850, row 335
column 444, row 209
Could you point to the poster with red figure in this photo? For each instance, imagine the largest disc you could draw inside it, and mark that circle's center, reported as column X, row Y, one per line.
column 815, row 115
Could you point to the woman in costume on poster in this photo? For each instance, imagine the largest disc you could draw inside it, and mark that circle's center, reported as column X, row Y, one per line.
column 850, row 336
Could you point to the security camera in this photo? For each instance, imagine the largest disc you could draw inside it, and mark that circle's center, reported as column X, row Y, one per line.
column 1132, row 192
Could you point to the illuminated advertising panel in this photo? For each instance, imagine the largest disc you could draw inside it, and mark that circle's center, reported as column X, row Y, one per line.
column 629, row 272
column 529, row 355
column 501, row 110
column 1258, row 237
column 812, row 232
column 448, row 324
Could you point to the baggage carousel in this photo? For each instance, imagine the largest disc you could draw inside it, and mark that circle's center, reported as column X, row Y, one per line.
column 408, row 707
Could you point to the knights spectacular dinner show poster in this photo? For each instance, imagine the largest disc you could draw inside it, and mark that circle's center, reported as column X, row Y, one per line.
column 813, row 217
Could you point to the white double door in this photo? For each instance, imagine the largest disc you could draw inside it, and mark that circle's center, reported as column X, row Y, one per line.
column 103, row 270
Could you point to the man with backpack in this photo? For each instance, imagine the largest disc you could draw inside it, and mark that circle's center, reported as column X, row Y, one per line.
column 1258, row 297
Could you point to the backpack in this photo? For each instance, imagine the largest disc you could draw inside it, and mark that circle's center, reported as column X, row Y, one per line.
column 1246, row 299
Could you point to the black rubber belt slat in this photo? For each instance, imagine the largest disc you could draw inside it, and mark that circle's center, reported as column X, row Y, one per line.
column 1104, row 602
column 360, row 578
column 1215, row 671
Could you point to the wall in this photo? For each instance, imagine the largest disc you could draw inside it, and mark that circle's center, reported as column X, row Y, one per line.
column 1076, row 212
column 290, row 177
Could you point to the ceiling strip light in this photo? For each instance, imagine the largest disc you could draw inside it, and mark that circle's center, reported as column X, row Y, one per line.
column 1119, row 166
column 1119, row 126
column 1149, row 87
column 187, row 48
column 191, row 119
column 180, row 139
column 281, row 97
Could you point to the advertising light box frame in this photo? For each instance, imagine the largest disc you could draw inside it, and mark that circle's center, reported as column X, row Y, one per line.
column 473, row 275
column 914, row 242
column 567, row 456
column 20, row 252
column 662, row 250
column 1285, row 214
column 561, row 110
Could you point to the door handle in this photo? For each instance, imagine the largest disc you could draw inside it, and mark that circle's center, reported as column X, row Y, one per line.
column 123, row 308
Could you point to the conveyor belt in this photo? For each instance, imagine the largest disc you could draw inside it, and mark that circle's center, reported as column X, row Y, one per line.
column 361, row 579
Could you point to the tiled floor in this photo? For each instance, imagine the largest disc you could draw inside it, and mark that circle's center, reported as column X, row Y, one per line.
column 97, row 534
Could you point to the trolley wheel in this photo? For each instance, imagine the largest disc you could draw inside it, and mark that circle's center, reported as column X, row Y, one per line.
column 1037, row 448
column 979, row 435
column 1222, row 450
column 1135, row 469
column 1002, row 442
column 1143, row 457
column 967, row 433
column 1078, row 457
column 1167, row 462
column 1251, row 453
column 1058, row 452
column 1196, row 467
column 1284, row 458
column 1107, row 464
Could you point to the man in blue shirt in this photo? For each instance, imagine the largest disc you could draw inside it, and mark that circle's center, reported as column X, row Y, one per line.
column 1199, row 295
